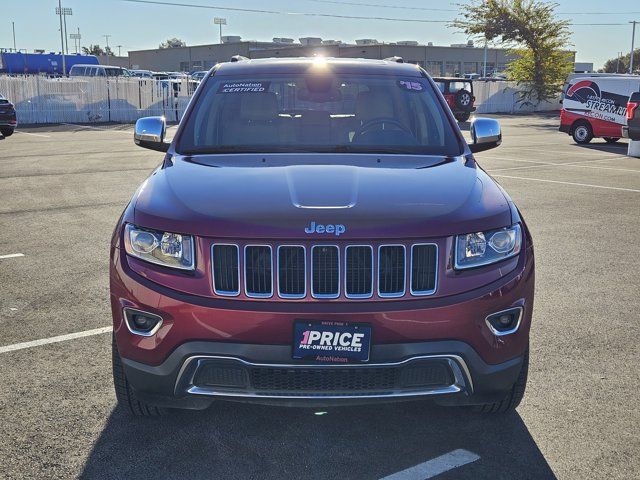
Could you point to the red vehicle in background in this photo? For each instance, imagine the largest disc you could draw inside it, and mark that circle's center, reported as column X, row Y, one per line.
column 596, row 106
column 458, row 92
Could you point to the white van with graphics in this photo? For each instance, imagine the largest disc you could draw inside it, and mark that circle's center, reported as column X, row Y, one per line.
column 596, row 106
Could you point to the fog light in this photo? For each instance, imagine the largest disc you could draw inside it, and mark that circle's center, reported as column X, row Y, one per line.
column 142, row 323
column 505, row 322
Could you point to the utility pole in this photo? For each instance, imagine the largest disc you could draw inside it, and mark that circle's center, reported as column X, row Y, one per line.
column 484, row 70
column 106, row 50
column 633, row 38
column 13, row 27
column 64, row 61
column 618, row 62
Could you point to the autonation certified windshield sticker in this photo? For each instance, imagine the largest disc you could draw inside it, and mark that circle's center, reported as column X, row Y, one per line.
column 332, row 342
column 243, row 87
column 410, row 85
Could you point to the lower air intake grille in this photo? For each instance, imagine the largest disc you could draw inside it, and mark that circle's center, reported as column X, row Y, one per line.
column 423, row 269
column 226, row 269
column 391, row 271
column 326, row 275
column 257, row 266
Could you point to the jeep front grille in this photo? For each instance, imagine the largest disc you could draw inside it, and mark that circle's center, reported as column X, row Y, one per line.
column 325, row 271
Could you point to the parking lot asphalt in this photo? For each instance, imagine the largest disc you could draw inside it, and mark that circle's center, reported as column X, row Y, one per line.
column 62, row 189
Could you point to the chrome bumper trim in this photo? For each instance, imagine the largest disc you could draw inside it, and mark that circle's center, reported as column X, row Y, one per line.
column 462, row 379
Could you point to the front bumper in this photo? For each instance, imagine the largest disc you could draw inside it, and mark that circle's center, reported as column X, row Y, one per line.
column 198, row 373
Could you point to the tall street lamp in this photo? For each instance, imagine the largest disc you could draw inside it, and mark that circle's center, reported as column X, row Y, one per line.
column 220, row 22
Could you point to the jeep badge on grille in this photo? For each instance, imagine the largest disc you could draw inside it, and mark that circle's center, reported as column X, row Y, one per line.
column 336, row 229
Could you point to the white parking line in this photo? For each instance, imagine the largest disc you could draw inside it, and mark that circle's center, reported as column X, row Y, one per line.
column 34, row 134
column 438, row 465
column 568, row 183
column 128, row 132
column 60, row 338
column 12, row 255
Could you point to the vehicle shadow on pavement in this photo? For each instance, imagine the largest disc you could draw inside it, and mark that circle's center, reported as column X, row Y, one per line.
column 232, row 440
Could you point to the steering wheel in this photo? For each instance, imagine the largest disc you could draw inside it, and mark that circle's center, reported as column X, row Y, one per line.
column 366, row 126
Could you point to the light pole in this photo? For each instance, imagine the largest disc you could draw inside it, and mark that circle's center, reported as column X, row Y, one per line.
column 220, row 22
column 64, row 12
column 119, row 47
column 13, row 27
column 106, row 50
column 633, row 38
column 64, row 62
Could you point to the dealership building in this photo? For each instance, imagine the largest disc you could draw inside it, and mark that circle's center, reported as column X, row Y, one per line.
column 450, row 60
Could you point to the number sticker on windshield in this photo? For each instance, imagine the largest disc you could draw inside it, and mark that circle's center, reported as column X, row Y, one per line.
column 410, row 85
column 243, row 87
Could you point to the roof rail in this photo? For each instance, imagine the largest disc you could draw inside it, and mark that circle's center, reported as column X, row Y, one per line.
column 395, row 59
column 238, row 58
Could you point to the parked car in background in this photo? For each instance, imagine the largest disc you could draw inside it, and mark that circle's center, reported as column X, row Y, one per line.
column 141, row 73
column 632, row 130
column 98, row 71
column 198, row 76
column 8, row 120
column 320, row 232
column 596, row 106
column 458, row 92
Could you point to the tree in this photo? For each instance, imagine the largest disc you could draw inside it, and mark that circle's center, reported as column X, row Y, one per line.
column 173, row 43
column 536, row 39
column 93, row 50
column 621, row 65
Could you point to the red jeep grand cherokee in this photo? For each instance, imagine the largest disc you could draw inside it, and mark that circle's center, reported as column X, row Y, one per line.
column 319, row 232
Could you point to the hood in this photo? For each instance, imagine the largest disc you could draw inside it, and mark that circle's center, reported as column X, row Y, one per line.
column 257, row 196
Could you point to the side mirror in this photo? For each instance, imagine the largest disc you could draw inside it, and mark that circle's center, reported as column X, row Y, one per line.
column 486, row 134
column 149, row 133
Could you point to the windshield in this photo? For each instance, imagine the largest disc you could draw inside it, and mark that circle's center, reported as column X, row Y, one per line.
column 311, row 113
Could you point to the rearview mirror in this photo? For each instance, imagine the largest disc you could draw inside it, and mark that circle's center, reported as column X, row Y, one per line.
column 149, row 133
column 486, row 134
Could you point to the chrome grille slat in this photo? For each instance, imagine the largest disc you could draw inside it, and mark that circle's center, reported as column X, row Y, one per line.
column 391, row 270
column 258, row 281
column 385, row 274
column 424, row 265
column 325, row 271
column 292, row 275
column 226, row 269
column 358, row 271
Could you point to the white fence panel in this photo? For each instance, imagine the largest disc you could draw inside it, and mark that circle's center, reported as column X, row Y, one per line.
column 93, row 100
column 124, row 100
column 502, row 97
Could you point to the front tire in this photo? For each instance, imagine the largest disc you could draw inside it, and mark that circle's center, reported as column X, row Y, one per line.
column 611, row 139
column 126, row 396
column 515, row 395
column 582, row 133
column 6, row 132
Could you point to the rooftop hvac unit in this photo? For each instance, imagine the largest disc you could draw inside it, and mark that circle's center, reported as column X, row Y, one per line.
column 231, row 39
column 310, row 41
column 367, row 41
column 332, row 42
column 430, row 44
column 282, row 40
column 410, row 43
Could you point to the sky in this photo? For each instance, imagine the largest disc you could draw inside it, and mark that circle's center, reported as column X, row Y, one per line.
column 137, row 26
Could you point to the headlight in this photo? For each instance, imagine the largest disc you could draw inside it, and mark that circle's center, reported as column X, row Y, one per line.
column 163, row 248
column 483, row 248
